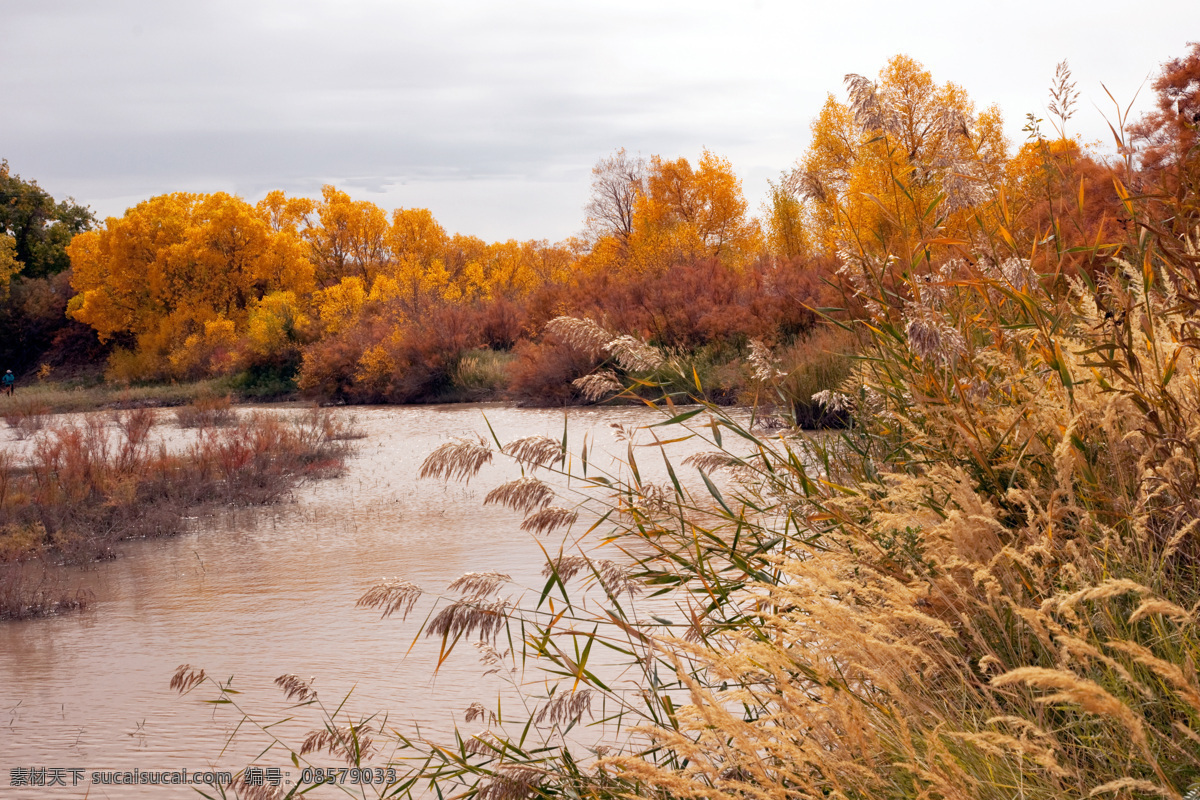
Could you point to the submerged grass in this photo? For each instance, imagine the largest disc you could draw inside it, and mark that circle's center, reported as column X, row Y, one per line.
column 34, row 590
column 90, row 484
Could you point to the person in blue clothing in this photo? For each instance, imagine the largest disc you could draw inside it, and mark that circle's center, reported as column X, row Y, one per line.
column 8, row 382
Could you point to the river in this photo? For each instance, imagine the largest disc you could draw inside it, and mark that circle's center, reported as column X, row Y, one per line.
column 251, row 594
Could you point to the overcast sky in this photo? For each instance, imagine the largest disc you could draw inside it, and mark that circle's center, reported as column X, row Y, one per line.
column 491, row 114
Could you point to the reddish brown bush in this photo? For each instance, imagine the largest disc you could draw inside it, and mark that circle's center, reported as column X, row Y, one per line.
column 1170, row 141
column 330, row 365
column 501, row 323
column 1067, row 203
column 698, row 303
column 430, row 349
column 543, row 372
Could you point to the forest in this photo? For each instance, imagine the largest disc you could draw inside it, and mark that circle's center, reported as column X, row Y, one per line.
column 340, row 300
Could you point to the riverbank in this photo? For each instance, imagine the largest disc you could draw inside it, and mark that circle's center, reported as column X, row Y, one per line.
column 66, row 397
column 547, row 374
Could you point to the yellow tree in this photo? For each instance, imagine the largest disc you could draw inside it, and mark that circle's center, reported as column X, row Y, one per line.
column 276, row 326
column 339, row 305
column 510, row 269
column 905, row 158
column 285, row 213
column 786, row 236
column 178, row 273
column 549, row 263
column 464, row 259
column 418, row 275
column 690, row 213
column 350, row 239
column 9, row 265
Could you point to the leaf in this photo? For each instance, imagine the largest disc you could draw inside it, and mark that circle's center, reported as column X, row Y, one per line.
column 675, row 420
column 715, row 492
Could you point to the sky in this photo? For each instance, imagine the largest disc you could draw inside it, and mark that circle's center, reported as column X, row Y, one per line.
column 492, row 114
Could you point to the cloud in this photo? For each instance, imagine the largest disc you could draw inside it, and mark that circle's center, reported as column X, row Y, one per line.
column 127, row 98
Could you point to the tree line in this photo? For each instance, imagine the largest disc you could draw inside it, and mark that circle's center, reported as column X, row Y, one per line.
column 342, row 299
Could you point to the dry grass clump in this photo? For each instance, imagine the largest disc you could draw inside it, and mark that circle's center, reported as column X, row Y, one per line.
column 819, row 363
column 481, row 374
column 81, row 396
column 991, row 587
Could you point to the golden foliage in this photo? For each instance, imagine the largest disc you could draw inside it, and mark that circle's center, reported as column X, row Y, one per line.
column 175, row 266
column 906, row 155
column 9, row 265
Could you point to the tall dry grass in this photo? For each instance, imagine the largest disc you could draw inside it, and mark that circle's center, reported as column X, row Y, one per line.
column 77, row 396
column 25, row 416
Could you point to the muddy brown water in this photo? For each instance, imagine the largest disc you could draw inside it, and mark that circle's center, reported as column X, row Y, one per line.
column 249, row 595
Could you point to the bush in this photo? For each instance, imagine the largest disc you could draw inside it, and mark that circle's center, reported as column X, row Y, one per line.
column 206, row 411
column 482, row 374
column 543, row 372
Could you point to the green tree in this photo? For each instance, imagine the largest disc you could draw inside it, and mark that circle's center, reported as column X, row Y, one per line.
column 40, row 228
column 34, row 276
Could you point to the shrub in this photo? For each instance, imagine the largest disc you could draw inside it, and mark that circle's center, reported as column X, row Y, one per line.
column 482, row 374
column 330, row 365
column 543, row 373
column 24, row 415
column 268, row 381
column 206, row 411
